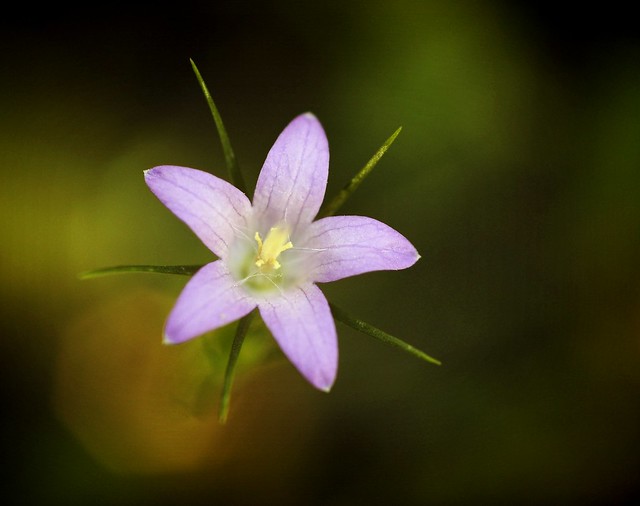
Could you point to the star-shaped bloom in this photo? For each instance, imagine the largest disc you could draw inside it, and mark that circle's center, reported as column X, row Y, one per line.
column 271, row 253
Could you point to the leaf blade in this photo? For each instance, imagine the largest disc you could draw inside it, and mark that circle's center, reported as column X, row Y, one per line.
column 342, row 196
column 229, row 155
column 181, row 270
column 381, row 335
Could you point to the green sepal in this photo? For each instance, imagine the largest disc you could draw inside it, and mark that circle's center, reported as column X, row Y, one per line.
column 229, row 156
column 337, row 202
column 236, row 346
column 182, row 270
column 372, row 331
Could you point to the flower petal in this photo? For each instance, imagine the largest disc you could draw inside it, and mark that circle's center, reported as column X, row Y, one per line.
column 301, row 322
column 293, row 179
column 211, row 207
column 211, row 299
column 343, row 246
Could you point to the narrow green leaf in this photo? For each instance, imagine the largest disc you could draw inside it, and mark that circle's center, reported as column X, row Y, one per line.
column 229, row 156
column 236, row 346
column 352, row 186
column 182, row 270
column 372, row 331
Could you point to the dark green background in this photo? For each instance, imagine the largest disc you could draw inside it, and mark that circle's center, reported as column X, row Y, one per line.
column 516, row 176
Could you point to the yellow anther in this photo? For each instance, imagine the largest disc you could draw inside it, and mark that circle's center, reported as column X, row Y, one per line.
column 276, row 242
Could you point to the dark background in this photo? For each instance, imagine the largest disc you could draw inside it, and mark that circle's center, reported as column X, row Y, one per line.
column 516, row 176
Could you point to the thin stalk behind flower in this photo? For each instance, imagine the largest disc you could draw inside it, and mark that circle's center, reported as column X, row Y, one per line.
column 183, row 270
column 229, row 156
column 236, row 346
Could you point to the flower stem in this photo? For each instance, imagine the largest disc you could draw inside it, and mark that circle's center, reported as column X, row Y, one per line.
column 372, row 331
column 236, row 346
column 331, row 208
column 229, row 156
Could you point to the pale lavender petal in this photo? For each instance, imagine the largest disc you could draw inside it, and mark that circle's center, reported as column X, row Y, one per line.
column 343, row 246
column 301, row 322
column 211, row 207
column 211, row 299
column 293, row 179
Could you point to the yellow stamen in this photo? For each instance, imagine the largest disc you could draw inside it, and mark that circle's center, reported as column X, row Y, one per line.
column 273, row 245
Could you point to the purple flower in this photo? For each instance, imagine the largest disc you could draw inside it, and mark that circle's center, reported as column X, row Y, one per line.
column 271, row 253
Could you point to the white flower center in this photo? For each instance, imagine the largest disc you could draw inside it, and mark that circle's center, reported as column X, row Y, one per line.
column 258, row 263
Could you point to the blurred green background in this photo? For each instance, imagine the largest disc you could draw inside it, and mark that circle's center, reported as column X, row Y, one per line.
column 516, row 175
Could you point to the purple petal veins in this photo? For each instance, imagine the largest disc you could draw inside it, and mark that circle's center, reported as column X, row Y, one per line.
column 211, row 299
column 294, row 176
column 351, row 245
column 210, row 206
column 301, row 323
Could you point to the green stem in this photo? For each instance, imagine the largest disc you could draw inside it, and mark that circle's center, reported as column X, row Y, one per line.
column 229, row 156
column 372, row 331
column 236, row 346
column 331, row 208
